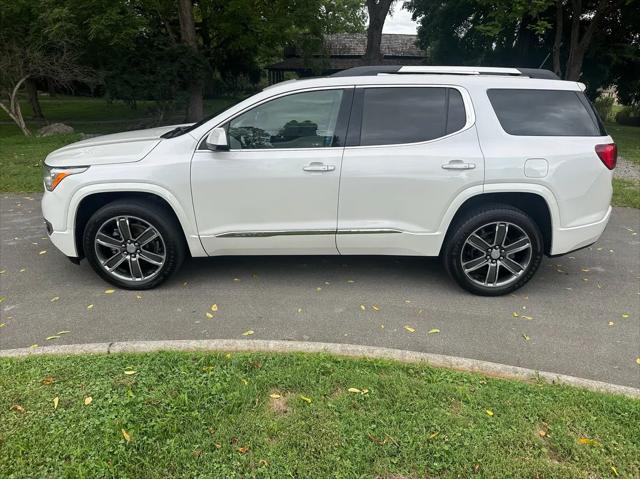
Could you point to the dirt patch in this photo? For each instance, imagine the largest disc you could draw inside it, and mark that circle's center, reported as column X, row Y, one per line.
column 278, row 404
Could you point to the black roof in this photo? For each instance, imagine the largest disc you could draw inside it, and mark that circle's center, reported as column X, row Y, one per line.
column 375, row 70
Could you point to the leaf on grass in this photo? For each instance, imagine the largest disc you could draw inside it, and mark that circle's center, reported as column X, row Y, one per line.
column 56, row 400
column 489, row 412
column 248, row 333
column 305, row 399
column 214, row 307
column 48, row 381
column 17, row 408
column 354, row 390
column 126, row 435
column 588, row 442
column 109, row 291
column 243, row 450
column 130, row 372
column 88, row 400
column 615, row 471
column 434, row 331
column 275, row 396
column 433, row 435
column 55, row 298
column 55, row 336
column 410, row 329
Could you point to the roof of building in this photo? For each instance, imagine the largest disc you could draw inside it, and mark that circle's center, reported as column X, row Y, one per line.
column 355, row 44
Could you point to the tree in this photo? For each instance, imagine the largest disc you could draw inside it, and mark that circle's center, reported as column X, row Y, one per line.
column 378, row 11
column 195, row 84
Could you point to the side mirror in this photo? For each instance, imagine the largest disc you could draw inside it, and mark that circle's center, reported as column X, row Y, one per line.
column 217, row 140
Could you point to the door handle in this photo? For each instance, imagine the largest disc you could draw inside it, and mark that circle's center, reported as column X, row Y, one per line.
column 458, row 165
column 317, row 166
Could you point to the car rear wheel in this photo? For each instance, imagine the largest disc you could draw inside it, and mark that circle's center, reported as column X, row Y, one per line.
column 493, row 250
column 133, row 244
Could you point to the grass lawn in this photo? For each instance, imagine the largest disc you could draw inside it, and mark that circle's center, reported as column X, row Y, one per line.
column 628, row 140
column 293, row 415
column 626, row 193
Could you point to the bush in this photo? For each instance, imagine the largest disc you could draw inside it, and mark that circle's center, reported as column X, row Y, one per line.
column 629, row 115
column 604, row 105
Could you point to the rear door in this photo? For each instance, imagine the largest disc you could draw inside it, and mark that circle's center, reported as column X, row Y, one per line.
column 410, row 151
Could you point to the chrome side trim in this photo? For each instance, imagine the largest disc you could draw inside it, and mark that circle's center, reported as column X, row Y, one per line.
column 269, row 234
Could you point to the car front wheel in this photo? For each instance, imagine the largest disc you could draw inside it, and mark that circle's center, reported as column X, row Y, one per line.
column 494, row 250
column 133, row 244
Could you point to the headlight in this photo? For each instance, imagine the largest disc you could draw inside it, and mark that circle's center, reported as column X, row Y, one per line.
column 52, row 176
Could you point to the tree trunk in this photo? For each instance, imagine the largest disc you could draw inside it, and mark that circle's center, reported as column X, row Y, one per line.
column 195, row 87
column 32, row 95
column 557, row 41
column 579, row 46
column 13, row 108
column 378, row 11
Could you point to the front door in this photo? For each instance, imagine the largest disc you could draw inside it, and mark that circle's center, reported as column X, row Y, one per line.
column 410, row 151
column 276, row 190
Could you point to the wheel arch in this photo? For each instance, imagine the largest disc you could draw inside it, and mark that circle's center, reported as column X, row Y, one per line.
column 90, row 202
column 532, row 203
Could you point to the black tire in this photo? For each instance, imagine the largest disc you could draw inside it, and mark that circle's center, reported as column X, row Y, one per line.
column 170, row 240
column 473, row 222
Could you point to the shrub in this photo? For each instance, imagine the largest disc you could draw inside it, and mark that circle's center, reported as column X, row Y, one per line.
column 629, row 115
column 604, row 105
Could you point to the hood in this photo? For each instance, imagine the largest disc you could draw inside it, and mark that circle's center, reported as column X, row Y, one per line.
column 125, row 147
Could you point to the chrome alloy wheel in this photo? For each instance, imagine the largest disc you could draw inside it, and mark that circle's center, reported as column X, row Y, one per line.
column 496, row 254
column 130, row 248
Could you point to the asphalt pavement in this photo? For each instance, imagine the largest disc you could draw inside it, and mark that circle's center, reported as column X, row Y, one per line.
column 579, row 316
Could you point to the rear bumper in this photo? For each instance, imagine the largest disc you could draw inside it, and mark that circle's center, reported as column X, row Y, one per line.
column 566, row 240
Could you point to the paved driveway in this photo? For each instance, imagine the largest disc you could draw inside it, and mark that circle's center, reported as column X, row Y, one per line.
column 585, row 307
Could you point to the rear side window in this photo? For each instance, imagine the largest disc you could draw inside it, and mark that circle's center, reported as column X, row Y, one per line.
column 544, row 113
column 409, row 115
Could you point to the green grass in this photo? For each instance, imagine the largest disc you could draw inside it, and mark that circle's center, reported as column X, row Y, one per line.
column 626, row 193
column 628, row 140
column 211, row 415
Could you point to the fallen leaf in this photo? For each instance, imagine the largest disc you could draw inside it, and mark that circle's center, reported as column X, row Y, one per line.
column 209, row 315
column 350, row 281
column 299, row 310
column 625, row 315
column 542, row 433
column 525, row 337
column 138, row 296
column 589, row 442
column 275, row 396
column 17, row 408
column 585, row 270
column 55, row 336
column 638, row 360
column 434, row 435
column 130, row 372
column 354, row 390
column 375, row 308
column 55, row 298
column 434, row 331
column 244, row 381
column 56, row 400
column 305, row 399
column 90, row 306
column 243, row 450
column 109, row 291
column 362, row 307
column 22, row 270
column 489, row 412
column 527, row 317
column 48, row 381
column 88, row 400
column 318, row 289
column 63, row 332
column 248, row 333
column 214, row 307
column 44, row 251
column 410, row 329
column 126, row 435
column 615, row 471
column 3, row 271
column 515, row 315
column 33, row 346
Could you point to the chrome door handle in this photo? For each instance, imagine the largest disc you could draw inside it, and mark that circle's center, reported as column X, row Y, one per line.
column 317, row 166
column 458, row 165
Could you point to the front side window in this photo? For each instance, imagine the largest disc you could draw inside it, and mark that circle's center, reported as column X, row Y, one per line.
column 544, row 112
column 410, row 115
column 301, row 120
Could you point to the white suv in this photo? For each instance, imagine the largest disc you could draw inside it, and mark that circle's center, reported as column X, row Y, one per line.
column 489, row 168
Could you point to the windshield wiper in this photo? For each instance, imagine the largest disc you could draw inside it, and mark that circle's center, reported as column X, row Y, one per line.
column 181, row 130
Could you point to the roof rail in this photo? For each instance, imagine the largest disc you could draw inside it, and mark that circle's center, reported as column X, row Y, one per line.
column 446, row 70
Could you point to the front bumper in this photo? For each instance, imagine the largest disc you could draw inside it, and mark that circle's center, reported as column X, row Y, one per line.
column 65, row 242
column 566, row 240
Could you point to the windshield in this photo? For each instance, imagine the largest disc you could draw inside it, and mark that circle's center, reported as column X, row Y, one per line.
column 181, row 130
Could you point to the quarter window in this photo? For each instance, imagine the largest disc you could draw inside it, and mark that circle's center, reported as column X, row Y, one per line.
column 301, row 120
column 409, row 115
column 544, row 112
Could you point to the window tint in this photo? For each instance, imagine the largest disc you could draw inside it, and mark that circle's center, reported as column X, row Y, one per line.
column 301, row 120
column 543, row 113
column 408, row 115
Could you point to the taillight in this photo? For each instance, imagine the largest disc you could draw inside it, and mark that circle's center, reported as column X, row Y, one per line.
column 608, row 154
